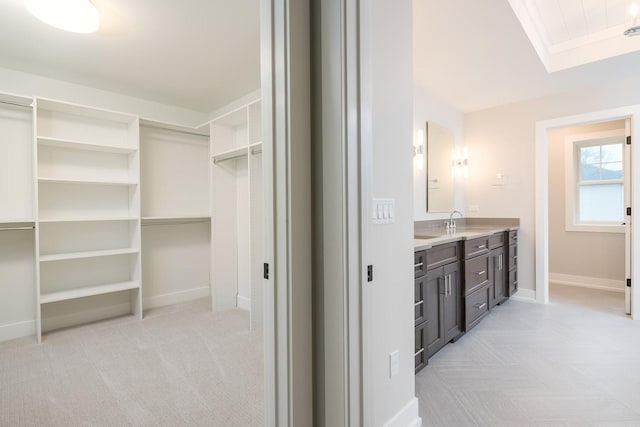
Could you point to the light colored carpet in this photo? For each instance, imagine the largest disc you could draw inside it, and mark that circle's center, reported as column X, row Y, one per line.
column 573, row 362
column 180, row 366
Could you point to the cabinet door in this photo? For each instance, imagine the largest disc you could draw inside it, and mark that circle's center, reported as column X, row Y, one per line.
column 433, row 300
column 497, row 280
column 452, row 301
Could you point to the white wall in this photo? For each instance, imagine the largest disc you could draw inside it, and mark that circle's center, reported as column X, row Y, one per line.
column 428, row 108
column 19, row 83
column 391, row 293
column 579, row 253
column 502, row 139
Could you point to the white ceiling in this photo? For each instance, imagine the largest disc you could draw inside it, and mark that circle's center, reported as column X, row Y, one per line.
column 197, row 54
column 568, row 33
column 476, row 55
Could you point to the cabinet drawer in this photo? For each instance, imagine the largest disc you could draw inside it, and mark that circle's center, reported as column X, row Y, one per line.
column 476, row 307
column 513, row 257
column 513, row 237
column 497, row 240
column 475, row 247
column 418, row 301
column 420, row 354
column 419, row 263
column 443, row 254
column 476, row 273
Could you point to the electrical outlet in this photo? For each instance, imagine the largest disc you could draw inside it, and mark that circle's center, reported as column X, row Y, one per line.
column 394, row 363
column 474, row 208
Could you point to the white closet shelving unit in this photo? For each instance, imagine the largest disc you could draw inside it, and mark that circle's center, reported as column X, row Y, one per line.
column 88, row 212
column 175, row 212
column 236, row 232
column 17, row 218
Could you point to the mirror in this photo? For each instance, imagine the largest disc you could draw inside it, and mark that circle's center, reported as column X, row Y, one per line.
column 440, row 185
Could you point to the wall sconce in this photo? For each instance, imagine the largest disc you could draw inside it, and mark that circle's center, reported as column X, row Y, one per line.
column 418, row 149
column 460, row 163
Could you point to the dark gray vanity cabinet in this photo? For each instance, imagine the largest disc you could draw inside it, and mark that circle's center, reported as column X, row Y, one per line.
column 512, row 256
column 477, row 289
column 497, row 278
column 498, row 269
column 438, row 310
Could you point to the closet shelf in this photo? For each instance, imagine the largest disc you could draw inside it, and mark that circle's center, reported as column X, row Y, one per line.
column 231, row 154
column 97, row 219
column 87, row 292
column 85, row 181
column 82, row 145
column 88, row 254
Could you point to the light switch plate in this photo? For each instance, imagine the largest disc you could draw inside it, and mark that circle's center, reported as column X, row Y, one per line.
column 383, row 211
column 394, row 363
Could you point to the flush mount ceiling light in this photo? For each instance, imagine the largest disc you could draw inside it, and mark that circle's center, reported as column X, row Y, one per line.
column 76, row 16
column 635, row 29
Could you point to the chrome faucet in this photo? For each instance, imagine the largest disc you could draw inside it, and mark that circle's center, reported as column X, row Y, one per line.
column 451, row 224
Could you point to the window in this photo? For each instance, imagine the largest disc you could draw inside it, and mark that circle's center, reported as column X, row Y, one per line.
column 595, row 182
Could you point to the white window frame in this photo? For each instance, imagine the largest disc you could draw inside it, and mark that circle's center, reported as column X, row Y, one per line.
column 572, row 144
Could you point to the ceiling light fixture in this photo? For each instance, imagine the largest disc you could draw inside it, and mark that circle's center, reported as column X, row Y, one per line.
column 76, row 16
column 635, row 29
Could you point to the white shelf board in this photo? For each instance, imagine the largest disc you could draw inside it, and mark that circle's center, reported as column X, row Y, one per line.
column 231, row 154
column 84, row 181
column 83, row 110
column 150, row 220
column 82, row 145
column 87, row 292
column 88, row 254
column 97, row 219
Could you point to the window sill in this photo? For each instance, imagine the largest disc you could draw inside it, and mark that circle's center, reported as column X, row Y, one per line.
column 594, row 228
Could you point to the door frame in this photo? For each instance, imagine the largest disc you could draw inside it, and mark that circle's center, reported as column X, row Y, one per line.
column 285, row 87
column 542, row 193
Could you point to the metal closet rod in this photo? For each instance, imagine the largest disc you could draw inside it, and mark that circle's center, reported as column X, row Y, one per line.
column 149, row 224
column 17, row 228
column 150, row 126
column 19, row 104
column 237, row 156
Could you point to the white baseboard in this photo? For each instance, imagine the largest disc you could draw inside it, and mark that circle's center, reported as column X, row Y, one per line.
column 526, row 295
column 17, row 330
column 52, row 323
column 174, row 297
column 243, row 302
column 587, row 282
column 407, row 417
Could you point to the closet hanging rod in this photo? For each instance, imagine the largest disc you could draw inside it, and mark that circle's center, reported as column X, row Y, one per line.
column 235, row 156
column 17, row 228
column 174, row 130
column 18, row 104
column 175, row 222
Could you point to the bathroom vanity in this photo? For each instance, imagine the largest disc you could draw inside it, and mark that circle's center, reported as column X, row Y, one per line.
column 460, row 275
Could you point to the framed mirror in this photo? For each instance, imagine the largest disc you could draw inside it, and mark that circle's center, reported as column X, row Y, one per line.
column 440, row 144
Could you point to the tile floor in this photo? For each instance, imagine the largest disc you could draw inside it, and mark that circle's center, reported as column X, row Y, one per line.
column 574, row 362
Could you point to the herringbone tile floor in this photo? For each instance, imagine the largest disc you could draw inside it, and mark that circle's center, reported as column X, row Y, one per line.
column 574, row 362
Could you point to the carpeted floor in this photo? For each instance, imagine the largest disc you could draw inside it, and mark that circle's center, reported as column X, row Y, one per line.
column 180, row 366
